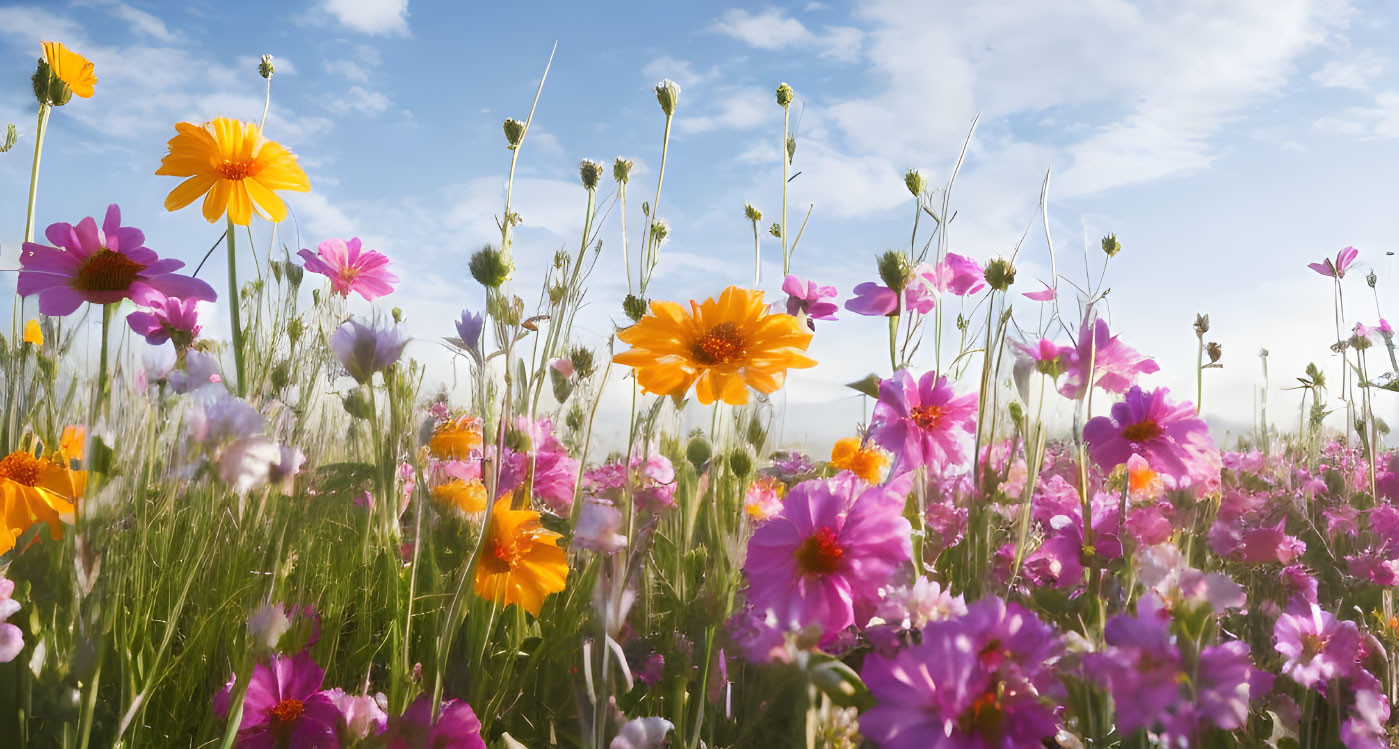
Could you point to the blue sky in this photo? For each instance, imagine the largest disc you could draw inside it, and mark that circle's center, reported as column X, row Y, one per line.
column 1226, row 142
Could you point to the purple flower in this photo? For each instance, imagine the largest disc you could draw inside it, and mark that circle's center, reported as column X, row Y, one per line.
column 1338, row 268
column 285, row 706
column 598, row 523
column 1366, row 727
column 923, row 422
column 469, row 331
column 456, row 727
column 1225, row 682
column 365, row 350
column 168, row 319
column 1141, row 667
column 804, row 297
column 1172, row 438
column 547, row 469
column 873, row 300
column 959, row 275
column 362, row 713
column 835, row 543
column 1115, row 364
column 100, row 268
column 1318, row 646
column 11, row 638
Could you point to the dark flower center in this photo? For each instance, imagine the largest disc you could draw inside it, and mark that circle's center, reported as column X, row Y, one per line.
column 1142, row 431
column 236, row 170
column 721, row 345
column 106, row 270
column 21, row 468
column 926, row 417
column 820, row 554
column 502, row 558
column 986, row 716
column 287, row 711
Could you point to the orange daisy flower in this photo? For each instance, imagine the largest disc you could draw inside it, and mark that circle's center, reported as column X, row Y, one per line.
column 71, row 68
column 865, row 461
column 455, row 439
column 720, row 347
column 36, row 490
column 233, row 167
column 522, row 562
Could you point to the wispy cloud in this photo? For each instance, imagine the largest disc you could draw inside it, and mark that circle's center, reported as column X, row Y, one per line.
column 373, row 17
column 773, row 29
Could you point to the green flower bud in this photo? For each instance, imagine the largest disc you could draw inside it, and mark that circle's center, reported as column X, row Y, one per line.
column 514, row 132
column 785, row 95
column 752, row 213
column 634, row 307
column 741, row 462
column 621, row 170
column 575, row 418
column 49, row 88
column 895, row 270
column 590, row 172
column 1111, row 246
column 490, row 268
column 791, row 148
column 668, row 93
column 698, row 451
column 294, row 273
column 775, row 230
column 281, row 374
column 1000, row 274
column 1370, row 278
column 264, row 67
column 582, row 360
column 397, row 313
column 357, row 405
column 659, row 231
column 11, row 136
column 1017, row 412
column 915, row 182
column 294, row 330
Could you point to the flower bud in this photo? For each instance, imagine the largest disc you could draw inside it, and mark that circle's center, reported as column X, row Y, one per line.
column 621, row 170
column 785, row 94
column 915, row 182
column 490, row 268
column 1202, row 324
column 1214, row 351
column 1000, row 274
column 698, row 451
column 791, row 148
column 895, row 270
column 582, row 360
column 590, row 172
column 668, row 93
column 1017, row 412
column 752, row 213
column 741, row 462
column 10, row 137
column 514, row 132
column 775, row 230
column 1111, row 246
column 49, row 88
column 264, row 67
column 1370, row 278
column 659, row 231
column 634, row 307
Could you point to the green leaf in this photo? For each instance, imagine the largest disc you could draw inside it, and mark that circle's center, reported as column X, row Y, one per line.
column 840, row 683
column 869, row 385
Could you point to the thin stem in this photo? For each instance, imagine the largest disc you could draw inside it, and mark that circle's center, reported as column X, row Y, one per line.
column 786, row 168
column 1200, row 374
column 626, row 253
column 99, row 395
column 234, row 313
column 39, row 131
column 757, row 257
column 649, row 242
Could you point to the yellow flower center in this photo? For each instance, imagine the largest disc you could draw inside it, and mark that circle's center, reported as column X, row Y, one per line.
column 287, row 711
column 820, row 554
column 1312, row 643
column 1142, row 431
column 721, row 345
column 236, row 170
column 106, row 270
column 21, row 467
column 926, row 417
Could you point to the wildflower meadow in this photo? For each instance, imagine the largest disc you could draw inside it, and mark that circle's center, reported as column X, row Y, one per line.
column 282, row 530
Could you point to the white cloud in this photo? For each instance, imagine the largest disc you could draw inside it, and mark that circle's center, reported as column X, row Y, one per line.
column 370, row 103
column 139, row 20
column 773, row 29
column 374, row 17
column 736, row 109
column 1353, row 73
column 1378, row 121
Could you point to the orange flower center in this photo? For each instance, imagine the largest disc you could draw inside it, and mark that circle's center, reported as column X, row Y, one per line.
column 721, row 345
column 236, row 170
column 348, row 275
column 21, row 467
column 926, row 417
column 106, row 270
column 986, row 716
column 502, row 558
column 820, row 554
column 1142, row 431
column 287, row 711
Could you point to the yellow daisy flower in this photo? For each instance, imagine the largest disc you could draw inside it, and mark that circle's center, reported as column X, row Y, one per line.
column 522, row 562
column 71, row 68
column 233, row 167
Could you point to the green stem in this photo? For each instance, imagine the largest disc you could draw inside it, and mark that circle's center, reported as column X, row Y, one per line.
column 786, row 167
column 234, row 311
column 893, row 343
column 99, row 396
column 39, row 130
column 652, row 248
column 1200, row 375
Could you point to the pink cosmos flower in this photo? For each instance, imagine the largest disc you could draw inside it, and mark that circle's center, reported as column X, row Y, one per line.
column 804, row 297
column 351, row 269
column 1042, row 296
column 1336, row 269
column 1318, row 646
column 959, row 275
column 11, row 637
column 1115, row 364
column 285, row 706
column 835, row 543
column 923, row 422
column 100, row 267
column 362, row 714
column 457, row 726
column 920, row 295
column 1172, row 438
column 168, row 319
column 547, row 469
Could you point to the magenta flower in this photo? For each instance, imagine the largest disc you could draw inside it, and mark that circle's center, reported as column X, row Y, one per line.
column 285, row 706
column 168, row 319
column 547, row 469
column 1338, row 268
column 923, row 422
column 456, row 726
column 100, row 267
column 1047, row 294
column 920, row 296
column 1115, row 364
column 1318, row 646
column 833, row 546
column 804, row 297
column 11, row 638
column 1172, row 438
column 1141, row 668
column 959, row 275
column 351, row 269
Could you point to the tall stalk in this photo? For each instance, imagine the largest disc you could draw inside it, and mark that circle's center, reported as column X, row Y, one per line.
column 234, row 311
